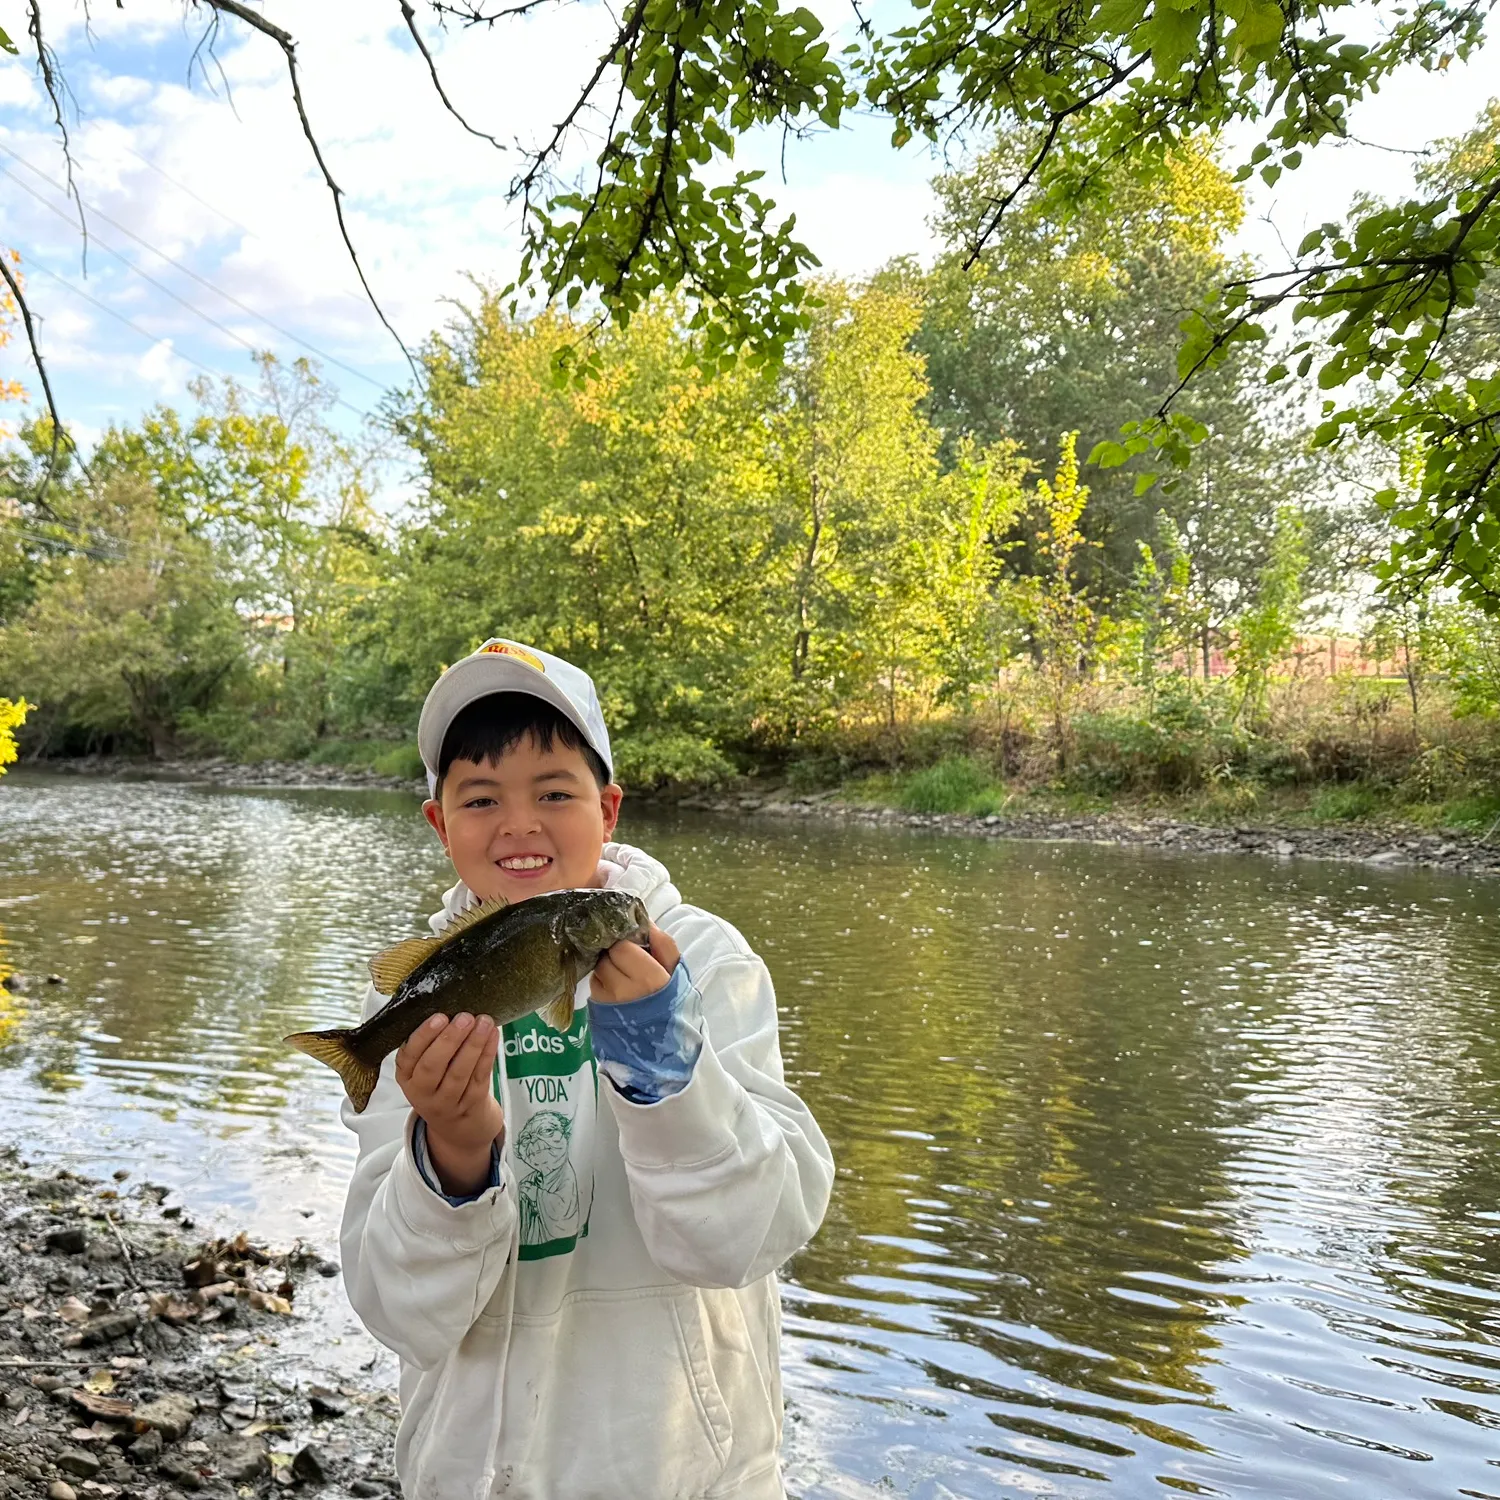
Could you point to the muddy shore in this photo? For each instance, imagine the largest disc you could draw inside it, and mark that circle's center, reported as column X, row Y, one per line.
column 142, row 1361
column 1394, row 846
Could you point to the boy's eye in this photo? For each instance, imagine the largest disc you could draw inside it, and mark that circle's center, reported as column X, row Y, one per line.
column 479, row 802
column 559, row 796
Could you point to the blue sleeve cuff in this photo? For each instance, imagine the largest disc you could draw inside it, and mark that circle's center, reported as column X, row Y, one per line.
column 429, row 1175
column 648, row 1047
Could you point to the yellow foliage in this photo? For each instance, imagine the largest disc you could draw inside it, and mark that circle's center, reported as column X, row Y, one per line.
column 10, row 390
column 11, row 715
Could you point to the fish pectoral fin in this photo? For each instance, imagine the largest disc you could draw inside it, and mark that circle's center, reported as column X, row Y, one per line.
column 558, row 1014
column 332, row 1047
column 389, row 968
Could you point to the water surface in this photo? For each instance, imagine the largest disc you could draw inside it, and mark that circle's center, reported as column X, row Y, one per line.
column 1157, row 1173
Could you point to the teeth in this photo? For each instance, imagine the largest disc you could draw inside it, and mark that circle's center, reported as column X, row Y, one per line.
column 527, row 862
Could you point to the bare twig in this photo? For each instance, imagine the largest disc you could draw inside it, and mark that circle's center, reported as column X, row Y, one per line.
column 47, row 1364
column 283, row 39
column 53, row 80
column 59, row 434
column 437, row 83
column 125, row 1251
column 472, row 15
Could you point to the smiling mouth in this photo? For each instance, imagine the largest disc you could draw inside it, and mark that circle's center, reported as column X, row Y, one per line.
column 523, row 864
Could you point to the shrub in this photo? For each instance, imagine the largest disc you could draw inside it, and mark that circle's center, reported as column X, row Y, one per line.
column 401, row 760
column 668, row 757
column 1344, row 804
column 957, row 784
column 1477, row 814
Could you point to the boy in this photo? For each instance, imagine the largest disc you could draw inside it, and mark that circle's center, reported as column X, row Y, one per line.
column 578, row 1271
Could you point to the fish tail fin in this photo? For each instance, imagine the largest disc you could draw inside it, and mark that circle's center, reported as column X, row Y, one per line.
column 332, row 1047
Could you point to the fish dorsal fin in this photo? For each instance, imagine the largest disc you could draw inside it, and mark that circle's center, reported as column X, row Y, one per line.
column 467, row 919
column 389, row 968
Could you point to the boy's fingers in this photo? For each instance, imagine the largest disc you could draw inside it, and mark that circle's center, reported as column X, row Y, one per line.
column 417, row 1043
column 466, row 1061
column 663, row 949
column 433, row 1063
column 638, row 966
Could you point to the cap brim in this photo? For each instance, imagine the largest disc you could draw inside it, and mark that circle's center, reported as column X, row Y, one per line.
column 478, row 677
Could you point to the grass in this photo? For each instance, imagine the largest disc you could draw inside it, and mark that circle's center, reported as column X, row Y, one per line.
column 956, row 785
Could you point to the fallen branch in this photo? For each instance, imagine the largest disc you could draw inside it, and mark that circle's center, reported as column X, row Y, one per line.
column 125, row 1251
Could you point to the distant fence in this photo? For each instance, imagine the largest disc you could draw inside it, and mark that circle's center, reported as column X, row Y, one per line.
column 1310, row 656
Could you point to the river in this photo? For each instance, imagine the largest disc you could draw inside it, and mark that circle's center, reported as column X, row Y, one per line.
column 1157, row 1173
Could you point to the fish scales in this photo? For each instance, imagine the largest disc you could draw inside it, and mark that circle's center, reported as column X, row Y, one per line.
column 499, row 960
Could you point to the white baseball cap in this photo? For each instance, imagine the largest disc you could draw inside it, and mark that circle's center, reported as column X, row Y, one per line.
column 501, row 666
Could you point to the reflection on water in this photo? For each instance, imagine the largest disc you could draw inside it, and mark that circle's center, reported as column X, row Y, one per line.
column 1155, row 1173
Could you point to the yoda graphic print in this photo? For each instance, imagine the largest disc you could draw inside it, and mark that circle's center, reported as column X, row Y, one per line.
column 549, row 1186
column 553, row 1100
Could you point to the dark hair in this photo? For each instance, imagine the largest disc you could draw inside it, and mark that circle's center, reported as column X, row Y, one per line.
column 486, row 728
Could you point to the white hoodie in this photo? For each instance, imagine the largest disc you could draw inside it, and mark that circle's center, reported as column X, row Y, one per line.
column 628, row 1342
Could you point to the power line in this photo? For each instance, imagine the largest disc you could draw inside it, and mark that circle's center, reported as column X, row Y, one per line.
column 162, row 172
column 129, row 265
column 155, row 339
column 186, row 270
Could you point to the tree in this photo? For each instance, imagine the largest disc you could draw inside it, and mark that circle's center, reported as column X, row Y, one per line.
column 1061, row 622
column 1266, row 631
column 1074, row 323
column 283, row 503
column 622, row 522
column 125, row 645
column 880, row 560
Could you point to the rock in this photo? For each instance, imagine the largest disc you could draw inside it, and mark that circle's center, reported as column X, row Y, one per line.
column 56, row 979
column 1385, row 857
column 238, row 1458
column 327, row 1268
column 76, row 1461
column 145, row 1449
column 60, row 1490
column 180, row 1471
column 367, row 1489
column 326, row 1404
column 113, row 1325
column 1285, row 847
column 171, row 1415
column 310, row 1466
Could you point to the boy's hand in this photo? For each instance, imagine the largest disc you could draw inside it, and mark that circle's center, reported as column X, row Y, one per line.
column 444, row 1070
column 628, row 972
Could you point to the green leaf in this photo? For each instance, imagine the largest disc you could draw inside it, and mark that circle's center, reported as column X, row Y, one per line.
column 7, row 44
column 1144, row 482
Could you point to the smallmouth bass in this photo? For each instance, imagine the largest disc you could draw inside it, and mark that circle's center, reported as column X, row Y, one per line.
column 500, row 960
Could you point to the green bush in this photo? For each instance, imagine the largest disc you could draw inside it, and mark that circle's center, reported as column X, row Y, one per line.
column 957, row 784
column 668, row 757
column 400, row 760
column 1477, row 814
column 1188, row 739
column 1344, row 804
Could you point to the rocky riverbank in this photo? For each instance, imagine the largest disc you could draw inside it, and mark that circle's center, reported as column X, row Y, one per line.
column 139, row 1362
column 1390, row 845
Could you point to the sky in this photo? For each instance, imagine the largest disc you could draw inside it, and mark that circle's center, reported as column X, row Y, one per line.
column 212, row 233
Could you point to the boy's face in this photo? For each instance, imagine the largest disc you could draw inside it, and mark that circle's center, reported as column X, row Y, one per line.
column 535, row 821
